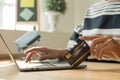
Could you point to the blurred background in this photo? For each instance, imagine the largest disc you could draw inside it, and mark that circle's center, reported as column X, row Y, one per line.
column 70, row 14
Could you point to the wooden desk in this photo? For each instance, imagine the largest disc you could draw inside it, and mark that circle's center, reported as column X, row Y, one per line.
column 94, row 71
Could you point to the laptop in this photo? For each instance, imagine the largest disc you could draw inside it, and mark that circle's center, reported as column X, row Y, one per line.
column 36, row 65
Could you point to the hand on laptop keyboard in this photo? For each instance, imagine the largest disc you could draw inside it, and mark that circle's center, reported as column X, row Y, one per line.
column 44, row 53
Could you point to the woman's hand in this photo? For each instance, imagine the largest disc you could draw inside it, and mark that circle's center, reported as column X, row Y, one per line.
column 44, row 53
column 103, row 46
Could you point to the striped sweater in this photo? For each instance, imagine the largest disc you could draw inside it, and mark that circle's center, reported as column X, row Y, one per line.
column 102, row 18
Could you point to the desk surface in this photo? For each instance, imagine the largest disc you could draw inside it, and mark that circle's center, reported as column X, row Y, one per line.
column 94, row 71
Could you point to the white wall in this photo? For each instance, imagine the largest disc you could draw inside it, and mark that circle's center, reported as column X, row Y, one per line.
column 66, row 21
column 72, row 17
column 1, row 3
column 80, row 8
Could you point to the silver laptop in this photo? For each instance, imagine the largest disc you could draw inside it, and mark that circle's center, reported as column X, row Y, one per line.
column 36, row 65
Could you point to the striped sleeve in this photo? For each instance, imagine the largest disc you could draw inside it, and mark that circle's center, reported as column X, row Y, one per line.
column 74, row 38
column 102, row 18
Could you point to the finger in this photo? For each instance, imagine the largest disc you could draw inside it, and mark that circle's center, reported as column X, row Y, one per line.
column 104, row 52
column 28, row 57
column 107, row 51
column 92, row 37
column 100, row 47
column 89, row 37
column 101, row 53
column 95, row 43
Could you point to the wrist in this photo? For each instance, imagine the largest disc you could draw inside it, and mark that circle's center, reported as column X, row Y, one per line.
column 62, row 53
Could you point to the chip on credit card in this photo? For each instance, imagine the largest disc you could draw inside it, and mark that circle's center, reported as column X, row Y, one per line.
column 78, row 54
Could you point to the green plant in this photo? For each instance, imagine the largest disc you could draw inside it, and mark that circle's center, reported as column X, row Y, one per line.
column 54, row 5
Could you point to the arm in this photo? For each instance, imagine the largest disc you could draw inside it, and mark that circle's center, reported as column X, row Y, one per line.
column 48, row 53
column 44, row 53
column 74, row 38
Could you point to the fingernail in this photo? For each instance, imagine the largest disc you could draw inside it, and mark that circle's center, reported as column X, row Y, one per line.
column 26, row 60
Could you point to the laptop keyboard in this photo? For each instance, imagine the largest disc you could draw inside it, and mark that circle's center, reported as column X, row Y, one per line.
column 33, row 64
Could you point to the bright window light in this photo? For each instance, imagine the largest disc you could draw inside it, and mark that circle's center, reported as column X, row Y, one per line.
column 10, row 1
column 8, row 17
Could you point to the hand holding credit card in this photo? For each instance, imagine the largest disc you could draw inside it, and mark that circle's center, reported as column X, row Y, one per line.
column 77, row 54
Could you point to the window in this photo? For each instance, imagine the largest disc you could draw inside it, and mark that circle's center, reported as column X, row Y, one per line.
column 8, row 16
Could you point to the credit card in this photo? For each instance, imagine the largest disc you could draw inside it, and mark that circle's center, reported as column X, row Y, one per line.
column 78, row 54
